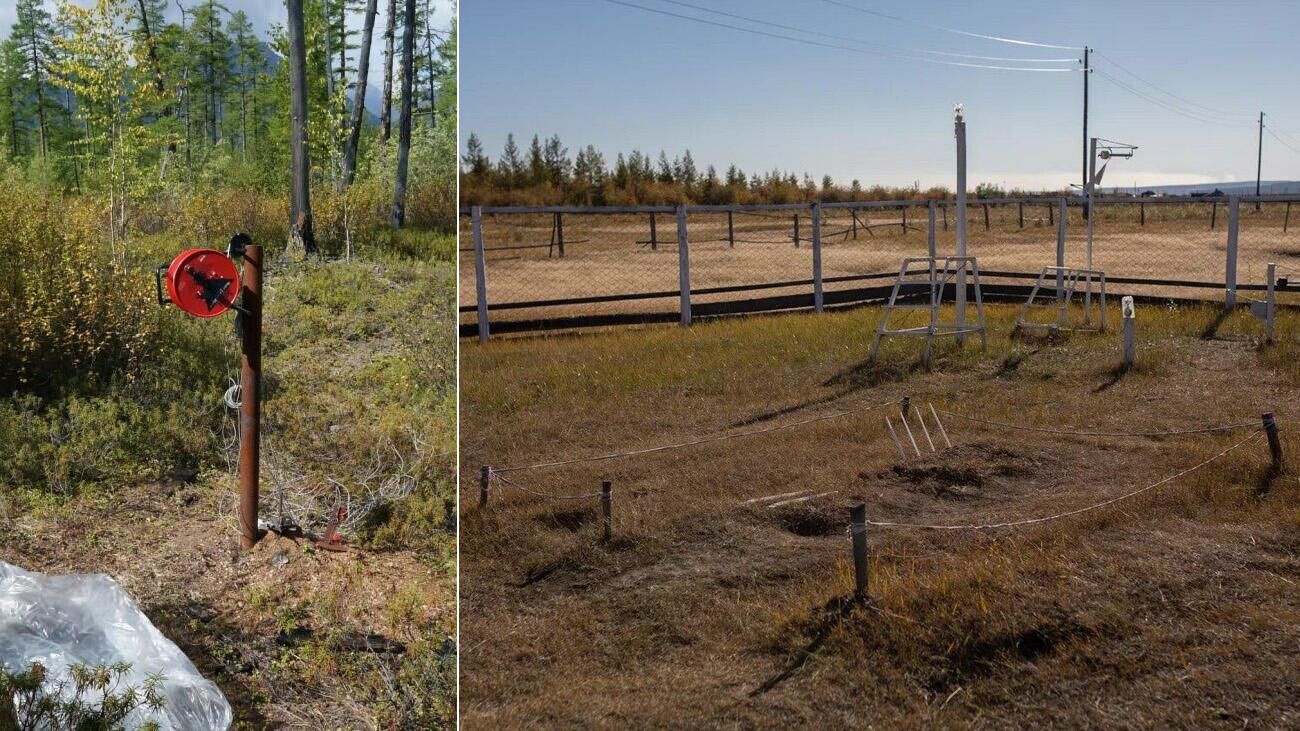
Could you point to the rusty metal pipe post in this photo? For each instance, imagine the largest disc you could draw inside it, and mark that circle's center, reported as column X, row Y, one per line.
column 250, row 408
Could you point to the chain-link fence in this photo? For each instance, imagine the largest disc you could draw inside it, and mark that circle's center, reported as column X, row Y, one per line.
column 555, row 267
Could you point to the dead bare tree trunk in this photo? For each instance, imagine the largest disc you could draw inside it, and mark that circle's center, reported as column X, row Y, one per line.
column 404, row 131
column 300, row 224
column 386, row 104
column 359, row 96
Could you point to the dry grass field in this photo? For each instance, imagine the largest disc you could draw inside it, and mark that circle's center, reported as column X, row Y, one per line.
column 1178, row 607
column 611, row 254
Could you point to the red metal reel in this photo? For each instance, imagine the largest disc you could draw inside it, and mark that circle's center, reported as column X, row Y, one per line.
column 203, row 282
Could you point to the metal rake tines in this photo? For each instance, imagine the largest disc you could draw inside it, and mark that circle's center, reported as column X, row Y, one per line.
column 924, row 429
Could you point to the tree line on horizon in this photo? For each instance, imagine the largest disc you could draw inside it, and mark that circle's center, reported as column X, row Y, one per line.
column 546, row 174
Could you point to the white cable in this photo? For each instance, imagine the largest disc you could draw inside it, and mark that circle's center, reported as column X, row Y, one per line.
column 705, row 440
column 1048, row 430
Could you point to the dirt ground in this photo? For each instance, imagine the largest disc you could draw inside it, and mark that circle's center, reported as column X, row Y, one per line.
column 714, row 605
column 232, row 611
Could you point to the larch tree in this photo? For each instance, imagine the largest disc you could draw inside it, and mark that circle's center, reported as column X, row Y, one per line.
column 359, row 96
column 386, row 103
column 404, row 130
column 34, row 34
column 300, row 220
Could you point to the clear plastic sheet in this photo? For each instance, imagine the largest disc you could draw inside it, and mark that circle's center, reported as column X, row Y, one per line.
column 90, row 619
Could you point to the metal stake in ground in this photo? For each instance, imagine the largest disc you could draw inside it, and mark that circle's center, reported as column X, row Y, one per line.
column 606, row 509
column 484, row 477
column 1274, row 443
column 858, row 527
column 250, row 409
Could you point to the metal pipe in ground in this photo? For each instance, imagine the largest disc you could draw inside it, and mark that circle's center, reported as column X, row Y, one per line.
column 250, row 409
column 858, row 527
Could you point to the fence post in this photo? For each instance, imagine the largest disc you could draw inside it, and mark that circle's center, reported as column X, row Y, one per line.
column 654, row 234
column 858, row 527
column 904, row 220
column 731, row 229
column 986, row 217
column 1060, row 250
column 796, row 230
column 684, row 266
column 484, row 477
column 945, row 216
column 606, row 509
column 1020, row 209
column 480, row 272
column 1270, row 301
column 1214, row 214
column 817, row 255
column 930, row 243
column 1274, row 443
column 1142, row 211
column 853, row 212
column 559, row 231
column 1051, row 214
column 1287, row 219
column 1230, row 271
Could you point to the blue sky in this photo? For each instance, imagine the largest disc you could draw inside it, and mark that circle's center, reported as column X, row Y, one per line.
column 619, row 77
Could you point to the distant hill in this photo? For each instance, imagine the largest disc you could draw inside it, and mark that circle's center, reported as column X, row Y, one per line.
column 1241, row 187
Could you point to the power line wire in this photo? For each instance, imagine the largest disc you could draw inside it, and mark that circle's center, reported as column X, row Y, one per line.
column 1000, row 39
column 808, row 42
column 1286, row 144
column 1165, row 105
column 867, row 43
column 1236, row 116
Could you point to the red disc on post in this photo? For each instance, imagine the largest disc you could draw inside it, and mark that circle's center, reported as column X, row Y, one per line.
column 203, row 282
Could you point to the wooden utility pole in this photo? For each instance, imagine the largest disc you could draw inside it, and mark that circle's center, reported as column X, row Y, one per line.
column 1259, row 157
column 404, row 130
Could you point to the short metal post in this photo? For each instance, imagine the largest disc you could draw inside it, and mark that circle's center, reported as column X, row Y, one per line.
column 484, row 477
column 731, row 229
column 930, row 237
column 606, row 511
column 904, row 220
column 858, row 527
column 1214, row 214
column 480, row 272
column 817, row 256
column 945, row 216
column 796, row 230
column 250, row 390
column 654, row 234
column 1230, row 269
column 683, row 266
column 986, row 217
column 1286, row 219
column 853, row 215
column 1274, row 443
column 559, row 231
column 1142, row 212
column 1020, row 208
column 1130, row 335
column 1051, row 214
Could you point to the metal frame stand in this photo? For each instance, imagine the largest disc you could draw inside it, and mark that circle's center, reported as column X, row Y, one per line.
column 1266, row 308
column 1065, row 284
column 953, row 269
